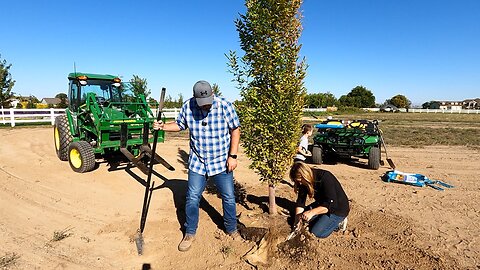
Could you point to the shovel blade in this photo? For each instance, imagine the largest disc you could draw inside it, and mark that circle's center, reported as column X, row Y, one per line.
column 291, row 235
column 443, row 184
column 139, row 242
column 390, row 162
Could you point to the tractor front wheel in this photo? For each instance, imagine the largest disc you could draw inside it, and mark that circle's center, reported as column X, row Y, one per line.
column 81, row 157
column 374, row 158
column 317, row 154
column 62, row 137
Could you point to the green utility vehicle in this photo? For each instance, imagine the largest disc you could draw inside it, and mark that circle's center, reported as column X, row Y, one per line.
column 361, row 138
column 104, row 118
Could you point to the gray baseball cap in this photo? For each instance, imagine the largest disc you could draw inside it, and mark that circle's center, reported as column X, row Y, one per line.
column 202, row 92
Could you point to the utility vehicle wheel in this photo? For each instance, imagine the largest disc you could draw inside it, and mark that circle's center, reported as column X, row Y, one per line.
column 62, row 137
column 374, row 158
column 81, row 156
column 317, row 154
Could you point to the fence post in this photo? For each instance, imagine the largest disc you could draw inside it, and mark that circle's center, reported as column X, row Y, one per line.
column 12, row 117
column 3, row 116
column 52, row 116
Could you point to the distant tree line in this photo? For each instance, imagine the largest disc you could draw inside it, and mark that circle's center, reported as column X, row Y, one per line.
column 358, row 97
column 431, row 105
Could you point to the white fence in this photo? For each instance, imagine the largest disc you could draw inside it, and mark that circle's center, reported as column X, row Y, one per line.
column 443, row 111
column 13, row 116
column 469, row 111
column 168, row 113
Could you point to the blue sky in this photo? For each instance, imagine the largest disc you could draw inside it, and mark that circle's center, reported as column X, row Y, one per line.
column 423, row 49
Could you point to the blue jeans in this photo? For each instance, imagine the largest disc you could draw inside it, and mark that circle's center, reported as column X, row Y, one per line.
column 323, row 225
column 196, row 186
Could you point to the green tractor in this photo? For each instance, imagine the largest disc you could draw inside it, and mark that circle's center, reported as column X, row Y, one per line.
column 104, row 118
column 361, row 138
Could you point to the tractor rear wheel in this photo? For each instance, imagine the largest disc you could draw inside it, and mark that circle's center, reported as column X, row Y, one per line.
column 81, row 157
column 62, row 137
column 374, row 158
column 317, row 154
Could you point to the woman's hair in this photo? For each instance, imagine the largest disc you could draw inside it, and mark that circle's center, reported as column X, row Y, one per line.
column 306, row 128
column 301, row 171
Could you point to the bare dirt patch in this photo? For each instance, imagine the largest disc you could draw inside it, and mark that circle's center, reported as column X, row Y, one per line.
column 391, row 226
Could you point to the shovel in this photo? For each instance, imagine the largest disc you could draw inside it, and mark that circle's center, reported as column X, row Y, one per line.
column 297, row 229
column 149, row 188
column 390, row 161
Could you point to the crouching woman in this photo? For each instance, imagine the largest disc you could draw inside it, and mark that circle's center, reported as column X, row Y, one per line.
column 330, row 208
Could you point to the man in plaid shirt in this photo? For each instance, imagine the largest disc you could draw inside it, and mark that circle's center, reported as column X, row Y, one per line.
column 214, row 137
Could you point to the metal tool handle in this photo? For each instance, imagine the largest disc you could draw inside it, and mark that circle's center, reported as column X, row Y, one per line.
column 148, row 192
column 161, row 103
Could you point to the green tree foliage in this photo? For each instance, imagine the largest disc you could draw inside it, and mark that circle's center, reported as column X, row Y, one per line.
column 63, row 100
column 33, row 99
column 173, row 103
column 359, row 97
column 139, row 86
column 270, row 79
column 320, row 100
column 216, row 90
column 153, row 103
column 61, row 95
column 400, row 101
column 31, row 102
column 6, row 83
column 431, row 105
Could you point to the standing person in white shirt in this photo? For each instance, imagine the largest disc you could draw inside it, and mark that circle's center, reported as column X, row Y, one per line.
column 302, row 151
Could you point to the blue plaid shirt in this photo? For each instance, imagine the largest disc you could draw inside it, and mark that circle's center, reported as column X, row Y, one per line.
column 209, row 134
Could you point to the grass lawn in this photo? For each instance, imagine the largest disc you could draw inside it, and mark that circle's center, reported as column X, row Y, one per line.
column 421, row 129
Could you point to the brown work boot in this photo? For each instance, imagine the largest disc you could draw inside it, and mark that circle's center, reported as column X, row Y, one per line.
column 186, row 242
column 235, row 235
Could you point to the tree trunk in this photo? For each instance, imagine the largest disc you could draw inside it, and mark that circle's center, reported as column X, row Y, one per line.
column 272, row 206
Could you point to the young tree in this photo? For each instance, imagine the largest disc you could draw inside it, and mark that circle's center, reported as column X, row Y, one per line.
column 216, row 90
column 359, row 97
column 6, row 83
column 61, row 95
column 180, row 100
column 31, row 102
column 169, row 102
column 139, row 86
column 153, row 103
column 63, row 100
column 270, row 78
column 399, row 101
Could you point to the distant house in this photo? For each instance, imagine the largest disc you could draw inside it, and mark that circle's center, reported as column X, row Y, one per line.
column 471, row 103
column 14, row 102
column 450, row 105
column 50, row 101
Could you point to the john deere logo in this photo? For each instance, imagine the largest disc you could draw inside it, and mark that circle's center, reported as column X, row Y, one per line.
column 204, row 93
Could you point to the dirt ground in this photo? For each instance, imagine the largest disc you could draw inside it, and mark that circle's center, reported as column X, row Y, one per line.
column 391, row 226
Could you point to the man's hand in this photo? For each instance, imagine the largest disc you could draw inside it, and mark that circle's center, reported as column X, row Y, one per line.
column 231, row 164
column 158, row 125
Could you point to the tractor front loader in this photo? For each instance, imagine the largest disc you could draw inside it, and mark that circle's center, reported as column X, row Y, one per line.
column 104, row 118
